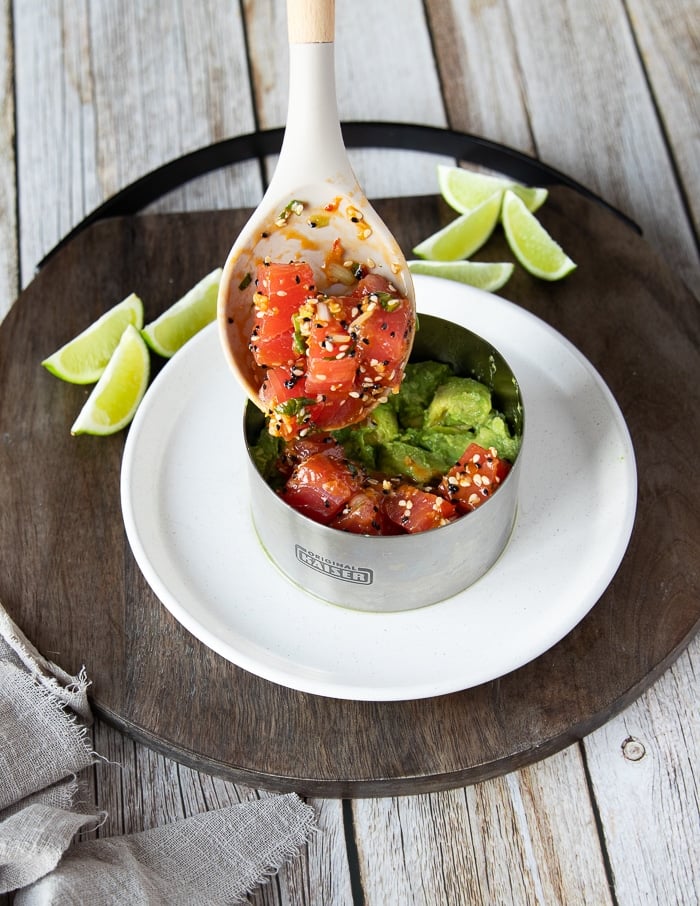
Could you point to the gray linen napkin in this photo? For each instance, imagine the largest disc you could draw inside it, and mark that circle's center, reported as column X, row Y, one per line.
column 214, row 858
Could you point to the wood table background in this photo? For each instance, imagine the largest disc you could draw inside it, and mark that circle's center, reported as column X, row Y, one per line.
column 95, row 94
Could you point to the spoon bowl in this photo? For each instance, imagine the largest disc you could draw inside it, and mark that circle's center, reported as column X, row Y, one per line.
column 313, row 198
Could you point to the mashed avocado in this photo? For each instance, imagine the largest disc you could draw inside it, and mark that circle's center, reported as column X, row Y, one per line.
column 423, row 430
column 420, row 432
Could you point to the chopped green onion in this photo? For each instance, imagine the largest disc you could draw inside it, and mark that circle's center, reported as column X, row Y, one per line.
column 299, row 342
column 294, row 406
column 294, row 207
column 387, row 301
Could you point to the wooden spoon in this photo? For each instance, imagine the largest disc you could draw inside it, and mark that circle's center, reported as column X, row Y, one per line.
column 313, row 169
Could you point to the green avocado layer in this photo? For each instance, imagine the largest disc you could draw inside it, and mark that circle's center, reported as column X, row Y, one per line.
column 420, row 432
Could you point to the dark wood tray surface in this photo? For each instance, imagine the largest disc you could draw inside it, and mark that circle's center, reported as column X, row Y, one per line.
column 69, row 580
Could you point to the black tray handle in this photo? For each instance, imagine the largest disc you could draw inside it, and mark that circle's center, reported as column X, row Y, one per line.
column 408, row 136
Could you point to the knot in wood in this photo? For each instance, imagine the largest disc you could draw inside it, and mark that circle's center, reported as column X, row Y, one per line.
column 633, row 749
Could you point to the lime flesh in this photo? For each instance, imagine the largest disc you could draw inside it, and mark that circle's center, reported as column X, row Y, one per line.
column 486, row 275
column 184, row 318
column 85, row 357
column 116, row 396
column 464, row 235
column 530, row 242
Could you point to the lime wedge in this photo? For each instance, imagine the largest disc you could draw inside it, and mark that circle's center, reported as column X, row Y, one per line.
column 116, row 396
column 84, row 358
column 184, row 318
column 463, row 236
column 485, row 275
column 465, row 189
column 531, row 243
column 533, row 196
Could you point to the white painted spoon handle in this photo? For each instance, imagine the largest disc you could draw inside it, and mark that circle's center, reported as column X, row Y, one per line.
column 313, row 150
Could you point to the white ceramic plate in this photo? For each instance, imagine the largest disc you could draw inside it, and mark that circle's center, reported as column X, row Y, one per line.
column 186, row 511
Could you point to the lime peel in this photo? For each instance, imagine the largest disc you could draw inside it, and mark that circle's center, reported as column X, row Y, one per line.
column 116, row 396
column 464, row 235
column 84, row 358
column 487, row 275
column 530, row 242
column 184, row 318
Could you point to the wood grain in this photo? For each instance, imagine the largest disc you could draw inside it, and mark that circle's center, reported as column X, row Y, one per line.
column 311, row 21
column 405, row 843
column 667, row 33
column 84, row 596
column 102, row 71
column 8, row 197
column 641, row 764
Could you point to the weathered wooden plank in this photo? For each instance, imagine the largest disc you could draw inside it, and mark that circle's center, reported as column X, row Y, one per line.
column 108, row 91
column 8, row 196
column 572, row 72
column 667, row 33
column 643, row 768
column 529, row 837
column 478, row 62
column 612, row 141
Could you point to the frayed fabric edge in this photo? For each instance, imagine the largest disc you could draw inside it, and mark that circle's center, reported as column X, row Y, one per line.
column 299, row 837
column 71, row 690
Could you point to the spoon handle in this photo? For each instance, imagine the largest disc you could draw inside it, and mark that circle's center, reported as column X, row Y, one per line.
column 311, row 21
column 312, row 151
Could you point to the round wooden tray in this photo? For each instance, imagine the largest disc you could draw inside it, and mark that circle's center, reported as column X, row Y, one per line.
column 70, row 582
